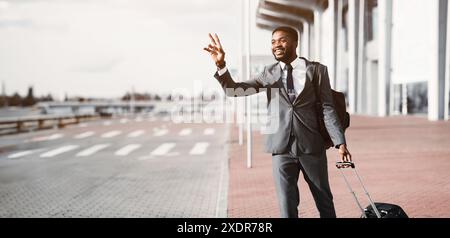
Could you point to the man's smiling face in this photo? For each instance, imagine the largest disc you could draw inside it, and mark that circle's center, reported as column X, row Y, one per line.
column 283, row 47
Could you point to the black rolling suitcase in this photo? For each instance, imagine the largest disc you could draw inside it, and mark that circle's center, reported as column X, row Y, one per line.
column 375, row 209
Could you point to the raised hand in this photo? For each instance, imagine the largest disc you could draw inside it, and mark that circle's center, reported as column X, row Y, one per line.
column 216, row 51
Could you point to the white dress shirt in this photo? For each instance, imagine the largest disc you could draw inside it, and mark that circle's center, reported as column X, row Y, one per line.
column 298, row 74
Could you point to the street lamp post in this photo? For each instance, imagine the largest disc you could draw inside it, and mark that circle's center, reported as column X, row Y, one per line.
column 248, row 99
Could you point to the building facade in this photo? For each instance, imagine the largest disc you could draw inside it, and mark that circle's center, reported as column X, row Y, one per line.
column 388, row 56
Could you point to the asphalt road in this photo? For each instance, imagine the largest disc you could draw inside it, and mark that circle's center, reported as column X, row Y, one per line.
column 124, row 167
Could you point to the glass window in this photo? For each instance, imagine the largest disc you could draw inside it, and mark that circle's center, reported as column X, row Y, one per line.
column 416, row 100
column 397, row 99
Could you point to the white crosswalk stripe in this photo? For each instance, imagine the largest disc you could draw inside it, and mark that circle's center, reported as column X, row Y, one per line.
column 209, row 131
column 123, row 121
column 185, row 132
column 163, row 149
column 82, row 125
column 111, row 134
column 136, row 133
column 107, row 123
column 92, row 150
column 199, row 148
column 127, row 149
column 22, row 153
column 58, row 151
column 84, row 135
column 48, row 138
column 55, row 136
column 138, row 119
column 160, row 132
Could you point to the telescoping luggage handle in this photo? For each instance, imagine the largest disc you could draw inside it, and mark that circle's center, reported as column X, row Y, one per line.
column 343, row 165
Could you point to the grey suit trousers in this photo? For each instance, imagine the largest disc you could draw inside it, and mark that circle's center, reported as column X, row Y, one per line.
column 286, row 170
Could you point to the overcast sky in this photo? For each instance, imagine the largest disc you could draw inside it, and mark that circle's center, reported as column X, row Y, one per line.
column 102, row 48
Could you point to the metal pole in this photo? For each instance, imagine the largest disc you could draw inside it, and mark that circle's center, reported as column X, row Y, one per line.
column 249, row 111
column 131, row 105
column 241, row 129
column 239, row 101
column 249, row 132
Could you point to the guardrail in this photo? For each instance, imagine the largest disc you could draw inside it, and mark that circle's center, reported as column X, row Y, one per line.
column 30, row 123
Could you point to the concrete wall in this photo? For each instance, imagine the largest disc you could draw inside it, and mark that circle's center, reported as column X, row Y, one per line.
column 412, row 38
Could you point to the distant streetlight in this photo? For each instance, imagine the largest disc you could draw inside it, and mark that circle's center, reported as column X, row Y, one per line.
column 131, row 103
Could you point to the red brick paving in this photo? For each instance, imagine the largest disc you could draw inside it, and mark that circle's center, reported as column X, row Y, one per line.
column 402, row 160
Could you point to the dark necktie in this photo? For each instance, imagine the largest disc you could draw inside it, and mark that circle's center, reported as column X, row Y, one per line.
column 290, row 83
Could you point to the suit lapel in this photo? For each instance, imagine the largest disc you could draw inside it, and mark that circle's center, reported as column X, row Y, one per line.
column 283, row 90
column 276, row 74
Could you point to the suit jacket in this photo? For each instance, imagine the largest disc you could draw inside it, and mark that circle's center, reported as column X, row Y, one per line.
column 297, row 119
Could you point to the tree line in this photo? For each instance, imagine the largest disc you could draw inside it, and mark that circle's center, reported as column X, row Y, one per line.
column 16, row 100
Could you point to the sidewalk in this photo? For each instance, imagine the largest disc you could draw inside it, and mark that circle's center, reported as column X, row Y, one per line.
column 402, row 160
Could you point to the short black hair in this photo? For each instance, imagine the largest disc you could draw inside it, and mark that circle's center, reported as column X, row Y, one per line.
column 289, row 30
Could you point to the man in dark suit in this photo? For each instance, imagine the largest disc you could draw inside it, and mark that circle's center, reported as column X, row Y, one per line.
column 297, row 145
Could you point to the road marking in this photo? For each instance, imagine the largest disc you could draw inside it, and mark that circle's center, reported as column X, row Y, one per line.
column 123, row 121
column 47, row 138
column 84, row 135
column 58, row 151
column 107, row 123
column 152, row 119
column 199, row 148
column 209, row 131
column 127, row 149
column 160, row 132
column 138, row 119
column 111, row 134
column 55, row 136
column 185, row 132
column 163, row 149
column 91, row 150
column 136, row 133
column 22, row 153
column 82, row 125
